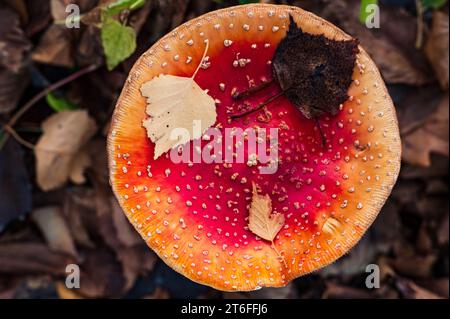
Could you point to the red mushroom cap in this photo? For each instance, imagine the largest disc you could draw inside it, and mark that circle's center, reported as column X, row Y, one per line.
column 195, row 216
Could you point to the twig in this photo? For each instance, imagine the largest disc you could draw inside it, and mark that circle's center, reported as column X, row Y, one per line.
column 18, row 138
column 252, row 90
column 269, row 100
column 40, row 96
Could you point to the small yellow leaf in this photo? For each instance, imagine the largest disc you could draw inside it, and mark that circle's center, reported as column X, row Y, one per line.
column 261, row 220
column 176, row 104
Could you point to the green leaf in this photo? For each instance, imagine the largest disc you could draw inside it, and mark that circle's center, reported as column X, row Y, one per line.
column 59, row 103
column 119, row 42
column 363, row 14
column 433, row 4
column 120, row 5
column 247, row 1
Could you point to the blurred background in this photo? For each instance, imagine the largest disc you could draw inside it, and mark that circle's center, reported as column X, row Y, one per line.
column 56, row 208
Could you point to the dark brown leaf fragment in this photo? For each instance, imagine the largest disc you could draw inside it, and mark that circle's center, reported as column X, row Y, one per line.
column 314, row 72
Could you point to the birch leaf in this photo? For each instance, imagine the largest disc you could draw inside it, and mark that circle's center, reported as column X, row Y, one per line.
column 261, row 220
column 176, row 104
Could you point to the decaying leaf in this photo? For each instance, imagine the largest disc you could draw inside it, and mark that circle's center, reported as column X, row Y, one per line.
column 314, row 72
column 64, row 134
column 55, row 47
column 392, row 46
column 437, row 47
column 12, row 85
column 176, row 102
column 13, row 43
column 261, row 220
column 14, row 46
column 81, row 162
column 55, row 230
column 31, row 258
column 410, row 290
column 432, row 137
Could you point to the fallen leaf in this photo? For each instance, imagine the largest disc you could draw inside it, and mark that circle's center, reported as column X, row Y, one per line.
column 64, row 134
column 136, row 261
column 15, row 187
column 414, row 266
column 78, row 206
column 127, row 235
column 439, row 286
column 90, row 50
column 437, row 47
column 81, row 162
column 39, row 17
column 261, row 220
column 176, row 102
column 392, row 46
column 432, row 137
column 54, row 227
column 14, row 45
column 12, row 85
column 31, row 258
column 410, row 290
column 442, row 233
column 101, row 275
column 55, row 47
column 417, row 106
column 303, row 60
column 117, row 233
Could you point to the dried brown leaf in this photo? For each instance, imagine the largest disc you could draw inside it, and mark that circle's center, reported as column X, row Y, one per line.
column 392, row 46
column 53, row 226
column 55, row 47
column 101, row 275
column 31, row 258
column 12, row 85
column 14, row 45
column 432, row 137
column 261, row 220
column 79, row 207
column 81, row 162
column 410, row 290
column 64, row 134
column 437, row 47
column 127, row 235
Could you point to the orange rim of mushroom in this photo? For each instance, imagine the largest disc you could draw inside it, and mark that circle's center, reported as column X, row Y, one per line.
column 195, row 217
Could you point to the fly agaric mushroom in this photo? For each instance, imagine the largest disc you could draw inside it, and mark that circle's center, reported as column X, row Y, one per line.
column 227, row 225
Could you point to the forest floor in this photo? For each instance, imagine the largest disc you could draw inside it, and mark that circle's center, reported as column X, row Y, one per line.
column 79, row 221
